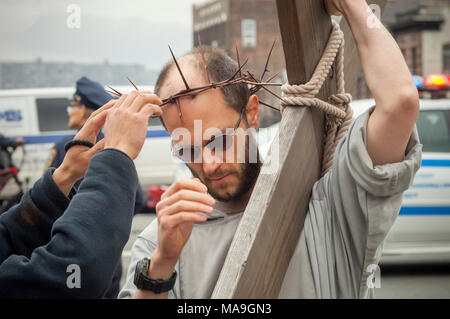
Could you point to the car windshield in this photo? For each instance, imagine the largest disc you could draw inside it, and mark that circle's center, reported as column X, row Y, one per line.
column 433, row 128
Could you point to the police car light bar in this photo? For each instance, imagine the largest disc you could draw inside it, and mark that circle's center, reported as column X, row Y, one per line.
column 435, row 86
column 417, row 80
column 435, row 82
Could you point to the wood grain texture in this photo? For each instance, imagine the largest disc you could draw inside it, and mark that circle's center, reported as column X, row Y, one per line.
column 270, row 228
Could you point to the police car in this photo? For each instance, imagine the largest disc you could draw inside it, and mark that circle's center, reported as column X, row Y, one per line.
column 423, row 225
column 40, row 117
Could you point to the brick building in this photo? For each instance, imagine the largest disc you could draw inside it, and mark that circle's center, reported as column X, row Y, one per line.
column 251, row 26
column 422, row 31
column 420, row 27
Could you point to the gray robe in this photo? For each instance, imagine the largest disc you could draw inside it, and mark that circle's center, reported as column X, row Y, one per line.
column 350, row 213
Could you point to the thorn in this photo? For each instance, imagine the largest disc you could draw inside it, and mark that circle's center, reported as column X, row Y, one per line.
column 238, row 61
column 132, row 83
column 117, row 92
column 255, row 89
column 203, row 59
column 266, row 89
column 272, row 107
column 273, row 77
column 111, row 92
column 238, row 71
column 267, row 61
column 179, row 70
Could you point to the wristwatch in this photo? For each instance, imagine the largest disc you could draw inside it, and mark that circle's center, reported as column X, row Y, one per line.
column 143, row 282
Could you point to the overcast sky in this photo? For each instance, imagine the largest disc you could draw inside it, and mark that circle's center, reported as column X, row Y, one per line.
column 132, row 31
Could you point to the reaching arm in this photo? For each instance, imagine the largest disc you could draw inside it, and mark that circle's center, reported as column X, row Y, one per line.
column 389, row 80
column 91, row 235
column 27, row 225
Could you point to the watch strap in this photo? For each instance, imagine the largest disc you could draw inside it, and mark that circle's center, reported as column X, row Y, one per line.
column 142, row 281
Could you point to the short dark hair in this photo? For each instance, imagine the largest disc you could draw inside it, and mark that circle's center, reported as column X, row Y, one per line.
column 221, row 67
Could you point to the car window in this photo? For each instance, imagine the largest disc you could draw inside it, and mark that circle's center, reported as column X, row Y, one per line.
column 433, row 131
column 52, row 114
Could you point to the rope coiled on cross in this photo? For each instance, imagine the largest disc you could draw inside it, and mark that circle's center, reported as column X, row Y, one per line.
column 339, row 114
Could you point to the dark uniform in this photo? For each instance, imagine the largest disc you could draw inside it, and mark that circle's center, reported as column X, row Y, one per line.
column 93, row 96
column 43, row 235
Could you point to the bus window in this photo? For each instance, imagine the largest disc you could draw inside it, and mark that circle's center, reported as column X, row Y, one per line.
column 433, row 131
column 52, row 114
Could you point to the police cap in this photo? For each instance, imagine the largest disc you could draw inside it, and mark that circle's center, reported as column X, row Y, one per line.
column 90, row 93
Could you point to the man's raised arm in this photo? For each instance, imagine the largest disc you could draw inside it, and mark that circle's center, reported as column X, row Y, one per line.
column 389, row 80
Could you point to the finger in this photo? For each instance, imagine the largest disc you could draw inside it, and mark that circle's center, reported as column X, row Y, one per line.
column 97, row 147
column 188, row 195
column 121, row 100
column 184, row 217
column 93, row 126
column 145, row 92
column 108, row 105
column 184, row 184
column 186, row 206
column 151, row 109
column 129, row 100
column 143, row 99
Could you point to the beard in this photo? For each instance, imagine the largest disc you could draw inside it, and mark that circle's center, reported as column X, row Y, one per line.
column 247, row 174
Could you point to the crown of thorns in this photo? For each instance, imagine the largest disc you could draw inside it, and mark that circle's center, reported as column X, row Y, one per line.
column 239, row 77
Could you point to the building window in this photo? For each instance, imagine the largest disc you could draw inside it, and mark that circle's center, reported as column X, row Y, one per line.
column 446, row 58
column 249, row 34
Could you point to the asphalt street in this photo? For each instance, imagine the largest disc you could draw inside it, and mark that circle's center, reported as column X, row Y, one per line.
column 412, row 277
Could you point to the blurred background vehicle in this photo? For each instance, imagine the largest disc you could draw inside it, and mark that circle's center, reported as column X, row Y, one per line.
column 40, row 116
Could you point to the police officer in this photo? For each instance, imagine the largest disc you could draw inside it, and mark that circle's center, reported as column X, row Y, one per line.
column 88, row 97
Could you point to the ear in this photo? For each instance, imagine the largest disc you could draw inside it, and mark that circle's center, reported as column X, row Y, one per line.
column 252, row 111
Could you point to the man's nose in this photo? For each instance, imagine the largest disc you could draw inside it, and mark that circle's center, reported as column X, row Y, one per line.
column 210, row 161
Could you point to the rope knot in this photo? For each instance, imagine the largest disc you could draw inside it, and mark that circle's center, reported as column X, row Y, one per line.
column 337, row 110
column 340, row 98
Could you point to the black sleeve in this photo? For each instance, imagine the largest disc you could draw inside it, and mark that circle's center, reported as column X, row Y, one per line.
column 27, row 225
column 140, row 200
column 90, row 235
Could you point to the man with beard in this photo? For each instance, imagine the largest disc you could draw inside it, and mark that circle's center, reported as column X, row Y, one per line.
column 181, row 254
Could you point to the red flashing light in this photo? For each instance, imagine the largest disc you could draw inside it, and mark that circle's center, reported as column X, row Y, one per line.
column 436, row 81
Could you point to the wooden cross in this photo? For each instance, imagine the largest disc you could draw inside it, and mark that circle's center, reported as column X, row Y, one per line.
column 273, row 220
